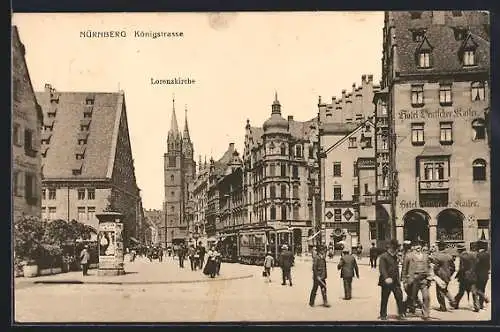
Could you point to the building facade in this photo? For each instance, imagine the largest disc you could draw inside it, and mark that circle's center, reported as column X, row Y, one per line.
column 281, row 175
column 87, row 159
column 200, row 202
column 436, row 72
column 27, row 119
column 179, row 172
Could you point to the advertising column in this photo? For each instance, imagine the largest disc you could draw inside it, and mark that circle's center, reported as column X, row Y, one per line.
column 110, row 240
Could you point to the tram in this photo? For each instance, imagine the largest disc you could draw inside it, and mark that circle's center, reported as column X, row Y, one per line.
column 254, row 243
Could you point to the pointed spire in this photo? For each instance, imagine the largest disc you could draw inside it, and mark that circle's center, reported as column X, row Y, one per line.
column 276, row 107
column 174, row 129
column 186, row 129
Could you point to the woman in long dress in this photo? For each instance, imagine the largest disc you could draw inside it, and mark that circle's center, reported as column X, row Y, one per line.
column 210, row 267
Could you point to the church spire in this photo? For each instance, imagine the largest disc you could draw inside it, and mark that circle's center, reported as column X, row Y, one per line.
column 174, row 129
column 186, row 128
column 276, row 108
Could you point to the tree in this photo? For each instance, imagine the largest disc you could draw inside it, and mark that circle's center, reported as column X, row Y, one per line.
column 28, row 237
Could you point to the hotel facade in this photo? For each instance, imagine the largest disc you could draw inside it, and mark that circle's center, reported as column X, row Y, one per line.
column 435, row 97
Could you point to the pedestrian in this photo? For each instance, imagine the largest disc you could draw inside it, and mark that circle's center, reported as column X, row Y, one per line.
column 330, row 250
column 202, row 254
column 211, row 266
column 348, row 268
column 373, row 256
column 360, row 251
column 444, row 267
column 268, row 265
column 483, row 271
column 409, row 304
column 182, row 255
column 466, row 276
column 160, row 254
column 319, row 277
column 389, row 281
column 286, row 261
column 84, row 260
column 218, row 261
column 191, row 253
column 417, row 272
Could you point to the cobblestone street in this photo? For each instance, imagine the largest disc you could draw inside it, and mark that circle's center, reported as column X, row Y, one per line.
column 161, row 292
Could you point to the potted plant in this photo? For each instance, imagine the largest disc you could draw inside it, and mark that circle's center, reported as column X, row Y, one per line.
column 28, row 235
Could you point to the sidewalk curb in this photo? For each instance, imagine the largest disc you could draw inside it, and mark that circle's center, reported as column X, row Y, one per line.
column 80, row 282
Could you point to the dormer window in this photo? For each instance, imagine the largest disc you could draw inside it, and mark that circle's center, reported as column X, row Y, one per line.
column 469, row 58
column 460, row 33
column 415, row 15
column 424, row 59
column 418, row 35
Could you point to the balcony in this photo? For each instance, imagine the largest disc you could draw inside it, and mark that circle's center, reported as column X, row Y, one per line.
column 434, row 186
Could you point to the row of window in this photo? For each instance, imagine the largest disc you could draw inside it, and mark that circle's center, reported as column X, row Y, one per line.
column 26, row 185
column 82, row 193
column 83, row 214
column 478, row 93
column 446, row 132
column 424, row 59
column 436, row 170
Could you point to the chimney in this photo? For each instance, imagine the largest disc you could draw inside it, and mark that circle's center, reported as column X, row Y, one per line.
column 290, row 118
column 438, row 17
column 48, row 87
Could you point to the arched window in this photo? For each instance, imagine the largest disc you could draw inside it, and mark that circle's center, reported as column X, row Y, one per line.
column 479, row 129
column 171, row 178
column 283, row 150
column 283, row 212
column 479, row 170
column 273, row 213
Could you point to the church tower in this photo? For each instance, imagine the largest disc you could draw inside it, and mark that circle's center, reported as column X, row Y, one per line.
column 173, row 183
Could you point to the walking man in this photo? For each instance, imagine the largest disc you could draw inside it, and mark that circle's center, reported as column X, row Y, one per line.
column 191, row 254
column 286, row 262
column 268, row 265
column 444, row 267
column 389, row 280
column 202, row 252
column 348, row 268
column 467, row 276
column 319, row 276
column 182, row 255
column 84, row 260
column 373, row 256
column 417, row 273
column 482, row 271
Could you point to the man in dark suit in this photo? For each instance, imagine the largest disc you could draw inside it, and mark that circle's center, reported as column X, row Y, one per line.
column 482, row 271
column 466, row 275
column 373, row 256
column 348, row 268
column 319, row 276
column 389, row 280
column 444, row 267
column 286, row 262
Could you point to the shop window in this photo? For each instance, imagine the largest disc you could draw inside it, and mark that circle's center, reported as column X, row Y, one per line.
column 479, row 129
column 479, row 170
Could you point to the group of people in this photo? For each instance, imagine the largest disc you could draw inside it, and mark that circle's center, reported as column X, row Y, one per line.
column 419, row 269
column 196, row 255
column 285, row 262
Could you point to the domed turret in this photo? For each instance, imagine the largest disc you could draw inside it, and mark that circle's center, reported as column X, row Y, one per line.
column 276, row 123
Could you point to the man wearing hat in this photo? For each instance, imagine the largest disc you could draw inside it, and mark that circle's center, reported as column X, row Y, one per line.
column 389, row 280
column 319, row 276
column 416, row 271
column 408, row 249
column 466, row 275
column 84, row 260
column 348, row 268
column 286, row 262
column 444, row 267
column 483, row 271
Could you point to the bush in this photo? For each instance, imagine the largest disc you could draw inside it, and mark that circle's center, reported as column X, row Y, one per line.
column 50, row 257
column 28, row 237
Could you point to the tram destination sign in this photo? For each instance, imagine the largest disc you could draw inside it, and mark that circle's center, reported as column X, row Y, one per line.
column 440, row 113
column 469, row 203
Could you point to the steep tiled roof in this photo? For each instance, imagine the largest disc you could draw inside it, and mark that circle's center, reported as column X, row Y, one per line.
column 301, row 130
column 60, row 159
column 222, row 163
column 445, row 55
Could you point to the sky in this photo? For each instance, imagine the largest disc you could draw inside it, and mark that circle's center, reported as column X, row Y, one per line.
column 238, row 60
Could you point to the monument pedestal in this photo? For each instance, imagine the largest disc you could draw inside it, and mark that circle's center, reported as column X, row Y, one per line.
column 110, row 242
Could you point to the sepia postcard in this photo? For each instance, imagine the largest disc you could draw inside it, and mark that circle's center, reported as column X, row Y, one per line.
column 251, row 167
